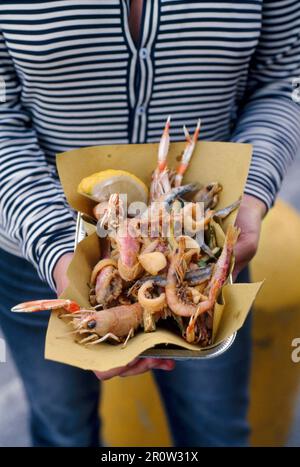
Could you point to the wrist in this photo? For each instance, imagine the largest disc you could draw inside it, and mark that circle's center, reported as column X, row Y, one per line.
column 60, row 277
column 255, row 204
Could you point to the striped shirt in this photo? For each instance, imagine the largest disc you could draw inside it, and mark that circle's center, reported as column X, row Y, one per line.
column 75, row 78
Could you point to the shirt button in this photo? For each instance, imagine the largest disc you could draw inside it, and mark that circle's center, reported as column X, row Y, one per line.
column 143, row 53
column 140, row 110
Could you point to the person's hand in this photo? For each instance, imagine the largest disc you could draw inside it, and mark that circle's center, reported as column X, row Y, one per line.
column 60, row 273
column 249, row 219
column 137, row 367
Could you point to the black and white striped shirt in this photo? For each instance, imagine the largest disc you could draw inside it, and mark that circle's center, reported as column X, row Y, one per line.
column 74, row 78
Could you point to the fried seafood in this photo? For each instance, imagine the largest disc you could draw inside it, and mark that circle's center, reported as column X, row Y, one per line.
column 165, row 261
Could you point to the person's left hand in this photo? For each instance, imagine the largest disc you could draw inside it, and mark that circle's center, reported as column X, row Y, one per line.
column 137, row 367
column 249, row 219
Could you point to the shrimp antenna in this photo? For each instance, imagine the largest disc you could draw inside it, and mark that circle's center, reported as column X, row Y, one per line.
column 187, row 153
column 164, row 144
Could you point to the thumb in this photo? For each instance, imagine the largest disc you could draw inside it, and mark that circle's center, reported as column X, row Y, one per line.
column 244, row 251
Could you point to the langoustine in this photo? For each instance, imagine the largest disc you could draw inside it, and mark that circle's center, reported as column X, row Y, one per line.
column 117, row 323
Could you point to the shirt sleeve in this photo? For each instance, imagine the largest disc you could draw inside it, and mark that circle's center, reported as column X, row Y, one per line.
column 33, row 209
column 269, row 118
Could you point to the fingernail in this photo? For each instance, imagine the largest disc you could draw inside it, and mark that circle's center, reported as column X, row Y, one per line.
column 166, row 367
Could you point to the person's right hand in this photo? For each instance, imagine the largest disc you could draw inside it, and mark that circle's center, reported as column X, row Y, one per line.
column 137, row 367
column 60, row 272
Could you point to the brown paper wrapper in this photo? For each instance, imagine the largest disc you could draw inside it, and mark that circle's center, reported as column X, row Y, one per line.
column 227, row 163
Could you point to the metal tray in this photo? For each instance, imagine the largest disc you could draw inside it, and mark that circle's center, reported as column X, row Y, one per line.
column 168, row 351
column 183, row 354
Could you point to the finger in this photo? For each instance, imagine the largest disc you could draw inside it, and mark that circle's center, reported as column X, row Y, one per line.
column 237, row 269
column 167, row 365
column 103, row 375
column 144, row 364
column 130, row 364
column 147, row 364
column 244, row 251
column 137, row 366
column 164, row 364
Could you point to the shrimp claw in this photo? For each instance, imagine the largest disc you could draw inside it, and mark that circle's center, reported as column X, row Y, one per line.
column 41, row 305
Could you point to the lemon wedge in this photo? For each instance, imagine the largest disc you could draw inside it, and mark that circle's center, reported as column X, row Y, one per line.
column 99, row 186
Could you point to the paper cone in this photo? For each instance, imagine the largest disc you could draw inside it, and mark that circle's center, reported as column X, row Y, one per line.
column 227, row 163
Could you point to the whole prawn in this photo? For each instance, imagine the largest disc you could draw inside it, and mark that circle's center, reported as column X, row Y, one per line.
column 122, row 234
column 175, row 276
column 219, row 276
column 129, row 246
column 118, row 323
column 106, row 282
